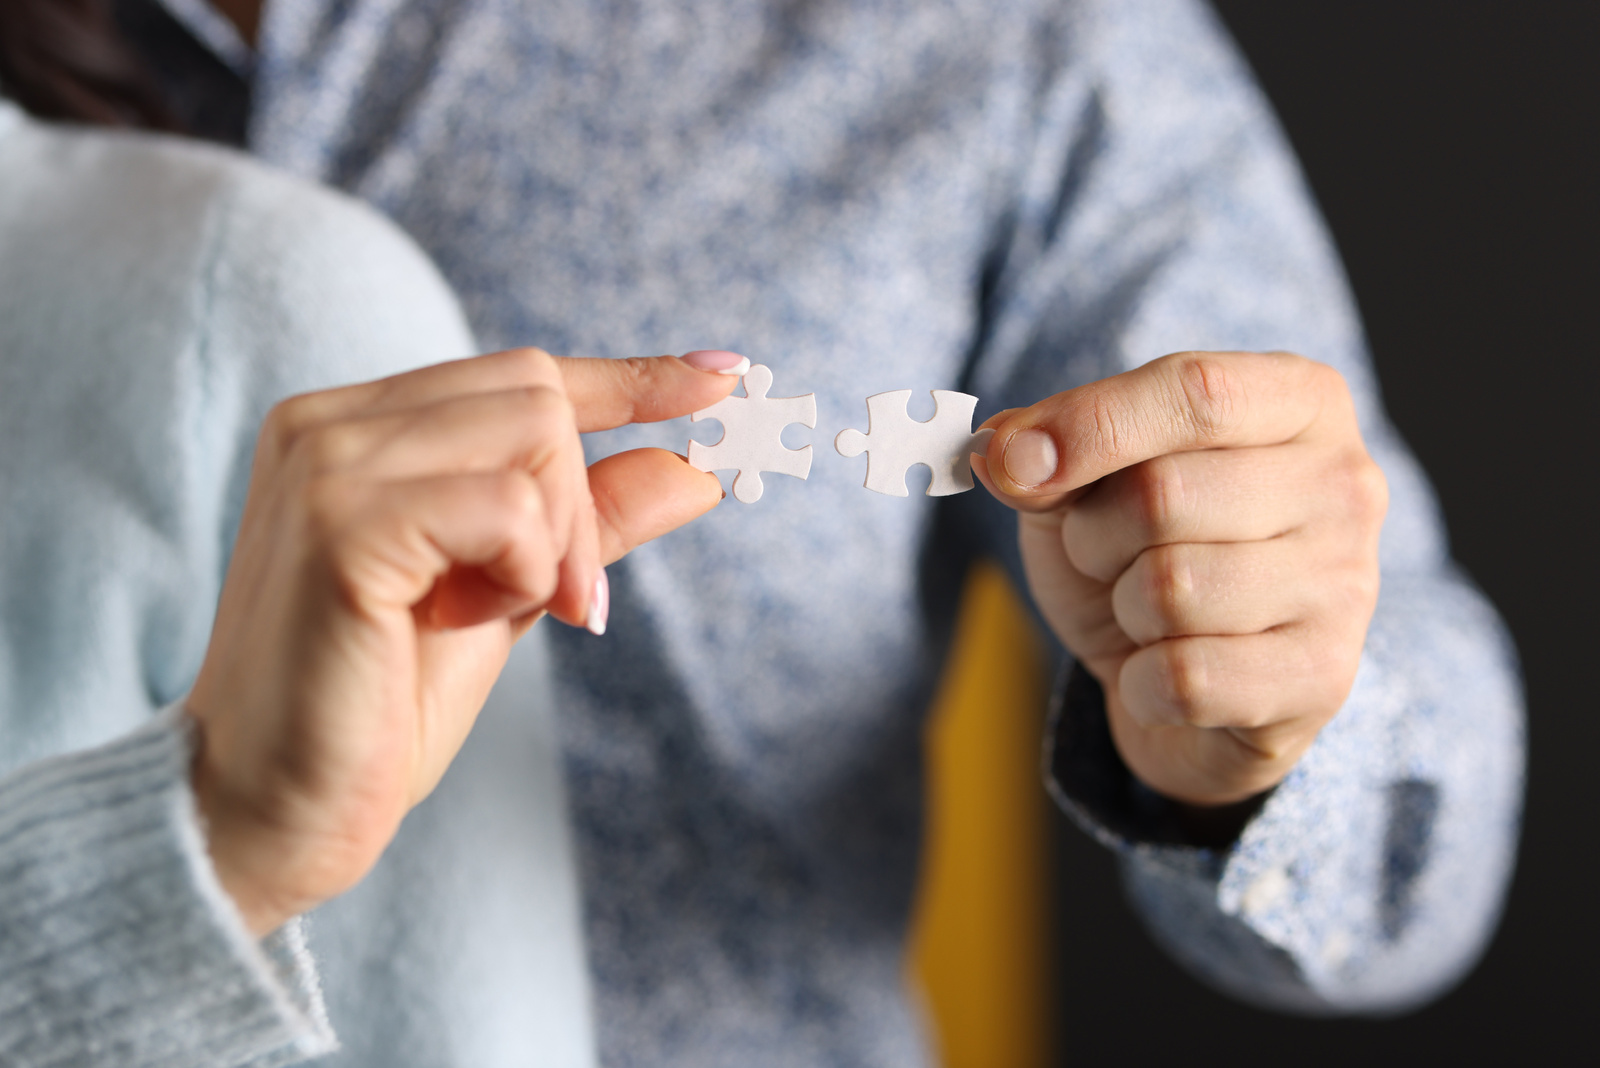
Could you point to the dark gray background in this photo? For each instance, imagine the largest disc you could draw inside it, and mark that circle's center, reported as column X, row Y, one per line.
column 1455, row 151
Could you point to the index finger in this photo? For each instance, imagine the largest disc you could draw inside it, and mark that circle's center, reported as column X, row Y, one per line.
column 1180, row 403
column 604, row 393
column 613, row 393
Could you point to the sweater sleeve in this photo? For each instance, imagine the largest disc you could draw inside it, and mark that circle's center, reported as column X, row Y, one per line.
column 120, row 946
column 1159, row 211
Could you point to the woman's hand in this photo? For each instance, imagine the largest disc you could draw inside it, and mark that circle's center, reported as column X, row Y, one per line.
column 1202, row 534
column 398, row 537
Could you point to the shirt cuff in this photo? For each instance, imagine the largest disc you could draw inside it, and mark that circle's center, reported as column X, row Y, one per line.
column 1370, row 878
column 118, row 946
column 1179, row 885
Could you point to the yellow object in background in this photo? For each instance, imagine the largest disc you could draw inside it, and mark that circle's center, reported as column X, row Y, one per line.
column 981, row 940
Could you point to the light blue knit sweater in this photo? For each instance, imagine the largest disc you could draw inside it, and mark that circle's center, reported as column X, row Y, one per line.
column 155, row 299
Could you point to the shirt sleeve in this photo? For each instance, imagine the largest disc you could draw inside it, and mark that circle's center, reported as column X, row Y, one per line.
column 1158, row 209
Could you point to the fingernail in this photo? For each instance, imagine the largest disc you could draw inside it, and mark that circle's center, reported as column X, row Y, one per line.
column 717, row 360
column 599, row 605
column 1030, row 457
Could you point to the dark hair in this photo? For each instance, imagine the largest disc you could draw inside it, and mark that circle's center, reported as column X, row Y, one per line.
column 64, row 59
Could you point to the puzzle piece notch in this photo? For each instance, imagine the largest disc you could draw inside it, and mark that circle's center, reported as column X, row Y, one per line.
column 752, row 435
column 895, row 442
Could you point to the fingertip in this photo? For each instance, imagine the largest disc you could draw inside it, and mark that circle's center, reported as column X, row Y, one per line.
column 988, row 468
column 644, row 493
column 994, row 421
column 707, row 478
column 992, row 450
column 1024, row 457
column 980, row 469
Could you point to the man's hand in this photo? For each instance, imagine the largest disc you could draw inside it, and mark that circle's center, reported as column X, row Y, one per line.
column 1202, row 534
column 398, row 537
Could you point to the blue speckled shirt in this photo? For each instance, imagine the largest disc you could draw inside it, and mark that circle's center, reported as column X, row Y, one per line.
column 1010, row 198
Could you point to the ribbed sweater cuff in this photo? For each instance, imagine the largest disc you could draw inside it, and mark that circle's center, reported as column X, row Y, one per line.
column 118, row 946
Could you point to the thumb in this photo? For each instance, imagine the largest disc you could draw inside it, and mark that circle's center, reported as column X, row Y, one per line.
column 1184, row 402
column 613, row 393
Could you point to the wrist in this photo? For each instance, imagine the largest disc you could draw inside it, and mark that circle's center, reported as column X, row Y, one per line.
column 235, row 847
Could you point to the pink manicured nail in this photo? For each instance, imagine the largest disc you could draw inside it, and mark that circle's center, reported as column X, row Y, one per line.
column 599, row 605
column 717, row 360
column 1030, row 457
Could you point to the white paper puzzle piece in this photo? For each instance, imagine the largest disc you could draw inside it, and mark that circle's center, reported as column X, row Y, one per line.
column 895, row 442
column 752, row 435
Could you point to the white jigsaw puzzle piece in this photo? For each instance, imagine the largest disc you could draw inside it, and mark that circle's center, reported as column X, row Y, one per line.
column 752, row 435
column 895, row 442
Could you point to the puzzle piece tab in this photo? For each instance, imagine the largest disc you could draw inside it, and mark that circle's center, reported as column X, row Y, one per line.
column 752, row 435
column 895, row 442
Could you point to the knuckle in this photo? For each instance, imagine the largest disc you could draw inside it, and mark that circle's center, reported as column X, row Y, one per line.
column 1213, row 395
column 285, row 421
column 527, row 521
column 519, row 500
column 1327, row 378
column 532, row 356
column 1356, row 488
column 532, row 364
column 1157, row 490
column 636, row 370
column 326, row 448
column 1168, row 581
column 1352, row 598
column 637, row 377
column 554, row 424
column 1359, row 586
column 1185, row 681
column 546, row 406
column 1366, row 490
column 527, row 551
column 1337, row 406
